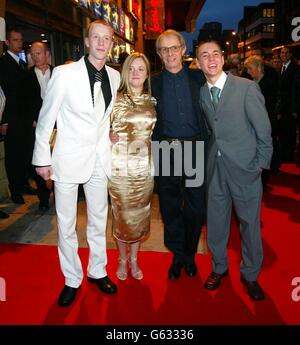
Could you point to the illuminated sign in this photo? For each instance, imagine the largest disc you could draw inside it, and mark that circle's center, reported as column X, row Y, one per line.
column 127, row 27
column 98, row 8
column 122, row 22
column 86, row 3
column 114, row 17
column 154, row 18
column 133, row 7
column 106, row 11
column 128, row 48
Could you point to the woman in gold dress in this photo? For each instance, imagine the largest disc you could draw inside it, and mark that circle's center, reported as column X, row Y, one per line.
column 131, row 182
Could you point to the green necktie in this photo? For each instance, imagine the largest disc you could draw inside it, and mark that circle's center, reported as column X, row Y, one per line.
column 215, row 92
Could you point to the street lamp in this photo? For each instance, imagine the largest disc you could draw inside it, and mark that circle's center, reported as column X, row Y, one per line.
column 227, row 48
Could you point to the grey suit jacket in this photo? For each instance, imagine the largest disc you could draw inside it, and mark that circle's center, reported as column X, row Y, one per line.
column 240, row 130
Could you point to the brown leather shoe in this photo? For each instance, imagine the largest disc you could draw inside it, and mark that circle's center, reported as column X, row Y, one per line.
column 255, row 292
column 214, row 280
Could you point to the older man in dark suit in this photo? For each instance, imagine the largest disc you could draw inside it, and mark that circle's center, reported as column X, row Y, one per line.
column 179, row 120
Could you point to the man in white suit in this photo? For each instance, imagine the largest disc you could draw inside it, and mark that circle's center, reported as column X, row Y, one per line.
column 79, row 98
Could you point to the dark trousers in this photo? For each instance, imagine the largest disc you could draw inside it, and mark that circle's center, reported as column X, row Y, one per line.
column 287, row 125
column 43, row 192
column 14, row 148
column 183, row 212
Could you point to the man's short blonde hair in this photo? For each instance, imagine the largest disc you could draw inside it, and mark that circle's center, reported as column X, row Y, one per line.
column 256, row 61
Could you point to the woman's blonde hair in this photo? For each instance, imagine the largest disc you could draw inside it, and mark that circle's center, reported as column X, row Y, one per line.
column 124, row 86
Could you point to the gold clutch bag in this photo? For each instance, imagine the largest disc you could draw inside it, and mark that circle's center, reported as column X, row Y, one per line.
column 52, row 138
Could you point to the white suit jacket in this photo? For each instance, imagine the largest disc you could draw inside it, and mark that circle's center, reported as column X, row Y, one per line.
column 82, row 129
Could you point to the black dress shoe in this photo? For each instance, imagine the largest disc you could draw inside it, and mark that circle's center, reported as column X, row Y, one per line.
column 104, row 284
column 255, row 292
column 175, row 270
column 190, row 269
column 44, row 205
column 214, row 280
column 17, row 199
column 27, row 189
column 67, row 296
column 3, row 215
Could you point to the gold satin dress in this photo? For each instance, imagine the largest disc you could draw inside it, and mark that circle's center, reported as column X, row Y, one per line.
column 131, row 182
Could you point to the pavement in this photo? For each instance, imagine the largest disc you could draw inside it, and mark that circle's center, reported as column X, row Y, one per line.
column 27, row 224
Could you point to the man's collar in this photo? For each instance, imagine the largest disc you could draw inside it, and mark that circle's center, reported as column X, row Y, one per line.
column 220, row 82
column 90, row 66
column 14, row 56
column 180, row 73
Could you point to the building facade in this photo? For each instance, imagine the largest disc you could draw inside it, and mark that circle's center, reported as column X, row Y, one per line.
column 256, row 31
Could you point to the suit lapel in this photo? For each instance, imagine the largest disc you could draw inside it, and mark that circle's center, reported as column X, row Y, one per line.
column 226, row 92
column 113, row 91
column 100, row 102
column 84, row 85
column 36, row 84
column 207, row 98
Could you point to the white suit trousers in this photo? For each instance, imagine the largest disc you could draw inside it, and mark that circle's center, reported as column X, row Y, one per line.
column 95, row 191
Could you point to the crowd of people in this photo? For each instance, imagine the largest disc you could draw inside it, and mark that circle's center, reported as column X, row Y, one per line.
column 106, row 126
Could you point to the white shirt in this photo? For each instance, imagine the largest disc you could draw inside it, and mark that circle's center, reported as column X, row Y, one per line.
column 14, row 56
column 219, row 84
column 285, row 65
column 43, row 79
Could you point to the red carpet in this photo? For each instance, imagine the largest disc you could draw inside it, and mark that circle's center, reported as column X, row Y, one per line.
column 33, row 280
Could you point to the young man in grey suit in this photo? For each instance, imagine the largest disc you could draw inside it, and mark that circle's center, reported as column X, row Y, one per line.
column 240, row 148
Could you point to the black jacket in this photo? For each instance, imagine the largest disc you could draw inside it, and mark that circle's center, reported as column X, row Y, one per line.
column 11, row 78
column 31, row 97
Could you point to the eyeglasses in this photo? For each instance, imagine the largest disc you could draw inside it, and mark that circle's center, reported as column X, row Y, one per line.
column 173, row 49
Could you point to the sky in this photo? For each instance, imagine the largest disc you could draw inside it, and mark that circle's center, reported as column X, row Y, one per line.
column 227, row 12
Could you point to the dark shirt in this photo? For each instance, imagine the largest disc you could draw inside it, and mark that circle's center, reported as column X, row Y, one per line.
column 105, row 86
column 180, row 119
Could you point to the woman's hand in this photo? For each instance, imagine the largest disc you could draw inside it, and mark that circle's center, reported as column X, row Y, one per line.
column 113, row 136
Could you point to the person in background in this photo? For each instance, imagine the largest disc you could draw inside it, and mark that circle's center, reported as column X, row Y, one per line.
column 34, row 90
column 12, row 73
column 267, row 79
column 286, row 115
column 2, row 105
column 79, row 98
column 131, row 183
